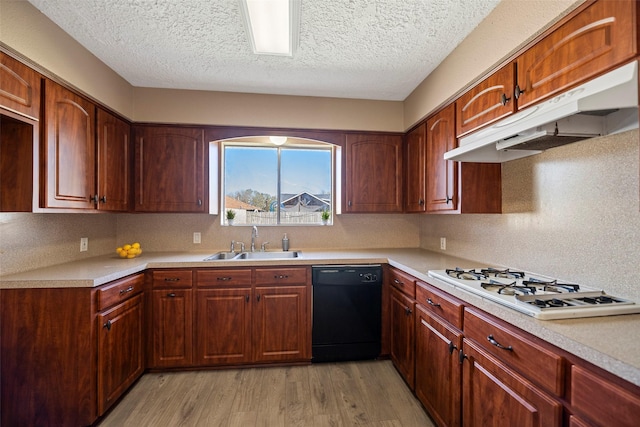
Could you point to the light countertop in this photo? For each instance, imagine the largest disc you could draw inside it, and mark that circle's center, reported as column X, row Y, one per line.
column 612, row 342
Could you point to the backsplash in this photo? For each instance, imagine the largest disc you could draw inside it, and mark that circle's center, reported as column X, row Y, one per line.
column 571, row 212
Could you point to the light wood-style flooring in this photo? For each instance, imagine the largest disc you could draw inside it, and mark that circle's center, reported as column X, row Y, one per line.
column 369, row 393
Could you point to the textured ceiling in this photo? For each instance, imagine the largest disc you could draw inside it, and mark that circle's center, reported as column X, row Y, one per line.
column 367, row 49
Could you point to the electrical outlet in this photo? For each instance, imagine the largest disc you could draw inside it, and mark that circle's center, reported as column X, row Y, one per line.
column 84, row 244
column 197, row 238
column 443, row 243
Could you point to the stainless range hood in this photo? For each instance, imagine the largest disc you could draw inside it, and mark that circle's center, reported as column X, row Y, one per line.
column 602, row 106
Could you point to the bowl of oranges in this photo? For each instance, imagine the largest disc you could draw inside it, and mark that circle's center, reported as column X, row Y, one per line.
column 129, row 250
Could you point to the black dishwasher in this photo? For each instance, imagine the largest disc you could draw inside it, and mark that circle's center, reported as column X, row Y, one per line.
column 347, row 309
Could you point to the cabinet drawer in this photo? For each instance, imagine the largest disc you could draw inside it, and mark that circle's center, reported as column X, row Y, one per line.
column 601, row 400
column 226, row 277
column 404, row 282
column 519, row 351
column 281, row 276
column 440, row 303
column 171, row 278
column 120, row 290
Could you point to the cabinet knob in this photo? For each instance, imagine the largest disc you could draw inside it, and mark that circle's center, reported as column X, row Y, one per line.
column 421, row 202
column 103, row 199
column 199, row 202
column 449, row 199
column 247, row 298
column 408, row 311
column 461, row 356
column 94, row 199
column 258, row 297
column 504, row 100
column 452, row 347
column 171, row 295
column 517, row 92
column 398, row 282
column 107, row 325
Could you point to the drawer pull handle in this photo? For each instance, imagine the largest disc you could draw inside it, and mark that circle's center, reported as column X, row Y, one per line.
column 398, row 282
column 171, row 295
column 224, row 279
column 258, row 297
column 497, row 344
column 452, row 347
column 107, row 325
column 247, row 298
column 408, row 311
column 281, row 276
column 125, row 291
column 171, row 279
column 431, row 303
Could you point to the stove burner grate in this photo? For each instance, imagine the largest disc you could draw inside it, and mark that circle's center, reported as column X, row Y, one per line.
column 508, row 288
column 506, row 273
column 462, row 274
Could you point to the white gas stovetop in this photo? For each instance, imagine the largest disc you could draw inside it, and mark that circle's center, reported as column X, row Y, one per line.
column 538, row 296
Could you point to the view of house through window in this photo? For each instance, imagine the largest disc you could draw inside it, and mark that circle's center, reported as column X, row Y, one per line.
column 266, row 184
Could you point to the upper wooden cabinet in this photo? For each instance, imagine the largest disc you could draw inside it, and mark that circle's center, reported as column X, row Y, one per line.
column 69, row 150
column 442, row 185
column 170, row 169
column 19, row 87
column 415, row 177
column 595, row 40
column 486, row 102
column 114, row 161
column 599, row 36
column 454, row 187
column 373, row 173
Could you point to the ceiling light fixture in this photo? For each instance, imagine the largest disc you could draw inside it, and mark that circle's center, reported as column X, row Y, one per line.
column 278, row 140
column 272, row 25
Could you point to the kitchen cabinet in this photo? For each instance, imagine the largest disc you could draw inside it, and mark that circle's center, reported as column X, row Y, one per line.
column 113, row 163
column 402, row 318
column 438, row 371
column 438, row 341
column 18, row 141
column 19, row 87
column 69, row 159
column 415, row 177
column 120, row 338
column 223, row 316
column 486, row 102
column 454, row 187
column 601, row 401
column 599, row 37
column 282, row 324
column 59, row 365
column 171, row 319
column 170, row 169
column 493, row 394
column 373, row 173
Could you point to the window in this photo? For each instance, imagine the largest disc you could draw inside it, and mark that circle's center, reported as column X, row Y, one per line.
column 265, row 184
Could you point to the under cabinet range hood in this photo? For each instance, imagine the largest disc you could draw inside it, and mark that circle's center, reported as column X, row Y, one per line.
column 603, row 106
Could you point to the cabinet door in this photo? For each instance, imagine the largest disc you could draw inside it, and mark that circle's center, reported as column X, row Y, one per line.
column 172, row 328
column 402, row 335
column 69, row 153
column 281, row 326
column 486, row 102
column 113, row 162
column 223, row 326
column 442, row 185
column 495, row 395
column 415, row 155
column 373, row 173
column 595, row 40
column 120, row 350
column 19, row 87
column 438, row 372
column 170, row 170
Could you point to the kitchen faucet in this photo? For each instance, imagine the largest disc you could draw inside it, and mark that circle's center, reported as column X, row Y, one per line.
column 254, row 234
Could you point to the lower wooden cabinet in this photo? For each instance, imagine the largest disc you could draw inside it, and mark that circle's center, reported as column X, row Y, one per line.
column 401, row 313
column 494, row 395
column 67, row 354
column 223, row 326
column 281, row 326
column 120, row 350
column 438, row 370
column 171, row 328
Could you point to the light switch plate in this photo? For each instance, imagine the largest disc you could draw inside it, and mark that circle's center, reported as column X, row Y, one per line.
column 197, row 238
column 443, row 243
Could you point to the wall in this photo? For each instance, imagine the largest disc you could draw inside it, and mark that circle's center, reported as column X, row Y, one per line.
column 571, row 212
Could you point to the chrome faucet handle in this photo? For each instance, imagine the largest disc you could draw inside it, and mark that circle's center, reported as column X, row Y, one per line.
column 263, row 247
column 241, row 246
column 233, row 246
